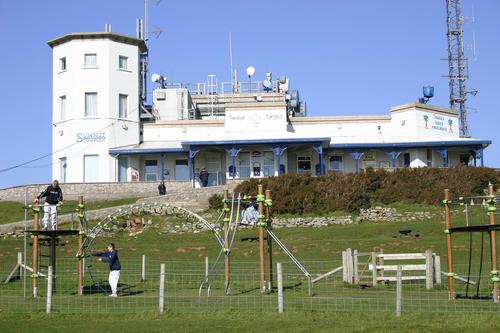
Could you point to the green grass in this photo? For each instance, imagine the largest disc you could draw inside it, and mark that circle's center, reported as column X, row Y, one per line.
column 351, row 308
column 11, row 211
column 248, row 322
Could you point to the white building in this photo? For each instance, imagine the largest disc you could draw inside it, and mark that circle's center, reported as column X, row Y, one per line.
column 235, row 130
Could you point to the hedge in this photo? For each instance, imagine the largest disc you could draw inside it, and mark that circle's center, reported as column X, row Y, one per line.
column 297, row 194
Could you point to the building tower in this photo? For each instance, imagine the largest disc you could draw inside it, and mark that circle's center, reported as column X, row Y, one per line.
column 457, row 64
column 96, row 104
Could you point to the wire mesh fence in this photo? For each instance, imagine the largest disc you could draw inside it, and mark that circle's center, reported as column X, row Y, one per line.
column 187, row 289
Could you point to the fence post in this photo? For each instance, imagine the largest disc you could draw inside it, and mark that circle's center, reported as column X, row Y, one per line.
column 49, row 290
column 399, row 291
column 344, row 266
column 355, row 266
column 349, row 265
column 429, row 272
column 374, row 269
column 206, row 268
column 162, row 288
column 437, row 269
column 280, row 287
column 143, row 268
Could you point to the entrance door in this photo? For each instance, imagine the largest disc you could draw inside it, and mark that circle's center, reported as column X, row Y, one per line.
column 213, row 168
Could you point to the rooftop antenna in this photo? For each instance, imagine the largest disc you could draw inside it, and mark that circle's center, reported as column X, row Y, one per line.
column 233, row 71
column 457, row 64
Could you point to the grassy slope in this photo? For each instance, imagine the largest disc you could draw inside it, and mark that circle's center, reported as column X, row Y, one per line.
column 11, row 211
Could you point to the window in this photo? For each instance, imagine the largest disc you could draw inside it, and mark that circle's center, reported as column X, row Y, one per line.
column 62, row 169
column 123, row 62
column 181, row 169
column 268, row 164
column 62, row 63
column 243, row 165
column 90, row 168
column 122, row 169
column 303, row 164
column 429, row 157
column 90, row 60
column 62, row 107
column 91, row 104
column 151, row 170
column 336, row 163
column 122, row 106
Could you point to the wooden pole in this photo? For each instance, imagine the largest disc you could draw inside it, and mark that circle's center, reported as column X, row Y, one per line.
column 80, row 244
column 493, row 242
column 447, row 216
column 399, row 290
column 162, row 288
column 269, row 244
column 143, row 268
column 355, row 266
column 261, row 224
column 374, row 269
column 280, row 287
column 49, row 290
column 429, row 271
column 227, row 266
column 36, row 216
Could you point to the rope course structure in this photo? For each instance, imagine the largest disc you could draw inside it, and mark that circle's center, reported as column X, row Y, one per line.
column 487, row 206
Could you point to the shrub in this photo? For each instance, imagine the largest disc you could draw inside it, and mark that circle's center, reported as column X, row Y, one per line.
column 298, row 194
column 215, row 202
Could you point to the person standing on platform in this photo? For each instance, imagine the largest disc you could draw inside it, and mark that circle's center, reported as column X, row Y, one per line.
column 53, row 198
column 111, row 257
column 204, row 177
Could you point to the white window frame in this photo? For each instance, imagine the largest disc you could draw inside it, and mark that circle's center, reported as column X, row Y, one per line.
column 146, row 173
column 88, row 112
column 304, row 158
column 341, row 163
column 63, row 167
column 62, row 64
column 87, row 57
column 266, row 166
column 62, row 107
column 125, row 62
column 122, row 108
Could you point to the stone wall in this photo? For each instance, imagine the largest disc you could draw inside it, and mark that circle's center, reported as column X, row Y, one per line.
column 386, row 214
column 99, row 191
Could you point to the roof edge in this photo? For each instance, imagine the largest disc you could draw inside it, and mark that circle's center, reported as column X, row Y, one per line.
column 99, row 35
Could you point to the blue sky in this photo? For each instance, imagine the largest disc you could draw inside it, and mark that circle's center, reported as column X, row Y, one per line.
column 345, row 57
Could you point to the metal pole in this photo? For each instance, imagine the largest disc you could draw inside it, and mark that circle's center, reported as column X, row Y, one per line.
column 34, row 276
column 162, row 288
column 80, row 244
column 227, row 265
column 143, row 268
column 269, row 244
column 49, row 290
column 280, row 287
column 25, row 239
column 206, row 268
column 493, row 242
column 261, row 224
column 399, row 290
column 447, row 216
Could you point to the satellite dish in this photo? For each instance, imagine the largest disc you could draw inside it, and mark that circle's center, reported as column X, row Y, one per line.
column 250, row 71
column 156, row 77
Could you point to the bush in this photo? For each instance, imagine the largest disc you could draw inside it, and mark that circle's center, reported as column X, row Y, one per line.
column 298, row 194
column 215, row 202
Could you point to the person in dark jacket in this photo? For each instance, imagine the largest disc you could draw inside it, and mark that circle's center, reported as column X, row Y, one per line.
column 111, row 257
column 53, row 198
column 162, row 190
column 204, row 177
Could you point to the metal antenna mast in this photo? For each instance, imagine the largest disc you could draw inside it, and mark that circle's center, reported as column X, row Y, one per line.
column 457, row 63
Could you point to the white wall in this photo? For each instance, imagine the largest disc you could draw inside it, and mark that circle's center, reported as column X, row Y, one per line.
column 107, row 129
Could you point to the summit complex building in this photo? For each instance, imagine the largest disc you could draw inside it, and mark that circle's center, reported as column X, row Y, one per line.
column 104, row 132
